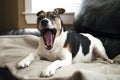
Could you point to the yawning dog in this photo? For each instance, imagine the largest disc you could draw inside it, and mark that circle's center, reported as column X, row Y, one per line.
column 62, row 47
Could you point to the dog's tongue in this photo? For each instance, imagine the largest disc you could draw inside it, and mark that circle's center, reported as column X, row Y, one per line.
column 48, row 38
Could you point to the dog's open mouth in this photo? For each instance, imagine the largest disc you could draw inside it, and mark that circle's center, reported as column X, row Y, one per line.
column 48, row 37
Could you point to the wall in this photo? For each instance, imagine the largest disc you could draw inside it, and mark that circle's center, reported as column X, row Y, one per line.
column 11, row 14
column 21, row 19
column 8, row 14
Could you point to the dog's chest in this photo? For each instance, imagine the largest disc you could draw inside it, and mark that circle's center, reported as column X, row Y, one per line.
column 51, row 56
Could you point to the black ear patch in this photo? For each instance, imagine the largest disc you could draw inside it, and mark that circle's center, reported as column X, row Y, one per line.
column 75, row 40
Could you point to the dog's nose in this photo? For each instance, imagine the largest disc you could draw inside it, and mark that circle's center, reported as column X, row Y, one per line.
column 44, row 22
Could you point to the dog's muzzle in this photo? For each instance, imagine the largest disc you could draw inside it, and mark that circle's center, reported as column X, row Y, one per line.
column 44, row 22
column 47, row 34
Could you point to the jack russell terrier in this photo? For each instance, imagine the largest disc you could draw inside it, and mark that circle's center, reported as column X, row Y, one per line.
column 62, row 47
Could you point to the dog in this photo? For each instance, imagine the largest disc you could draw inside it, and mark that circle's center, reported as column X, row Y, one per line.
column 62, row 47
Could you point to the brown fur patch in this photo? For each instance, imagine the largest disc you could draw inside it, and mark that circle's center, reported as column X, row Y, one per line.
column 57, row 22
column 68, row 47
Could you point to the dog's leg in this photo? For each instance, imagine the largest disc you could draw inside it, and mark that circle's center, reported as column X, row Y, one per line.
column 26, row 61
column 51, row 69
column 100, row 51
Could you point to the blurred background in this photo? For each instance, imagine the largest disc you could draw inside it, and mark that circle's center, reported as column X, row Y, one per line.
column 22, row 13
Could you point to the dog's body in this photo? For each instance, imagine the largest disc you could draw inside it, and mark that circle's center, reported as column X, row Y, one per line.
column 63, row 47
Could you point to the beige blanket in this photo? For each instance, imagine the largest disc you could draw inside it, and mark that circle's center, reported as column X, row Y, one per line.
column 14, row 48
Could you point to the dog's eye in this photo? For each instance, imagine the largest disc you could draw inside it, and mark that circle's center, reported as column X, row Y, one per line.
column 53, row 16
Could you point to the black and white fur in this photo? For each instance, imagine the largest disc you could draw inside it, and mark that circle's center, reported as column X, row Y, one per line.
column 62, row 47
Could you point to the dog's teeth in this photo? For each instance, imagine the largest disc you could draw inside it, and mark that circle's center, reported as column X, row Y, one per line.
column 53, row 35
column 45, row 46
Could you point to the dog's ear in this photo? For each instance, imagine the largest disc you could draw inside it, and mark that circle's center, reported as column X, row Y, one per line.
column 40, row 13
column 59, row 10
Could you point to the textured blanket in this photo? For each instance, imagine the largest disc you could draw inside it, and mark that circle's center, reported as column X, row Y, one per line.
column 15, row 48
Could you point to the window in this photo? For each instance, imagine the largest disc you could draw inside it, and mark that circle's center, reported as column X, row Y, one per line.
column 69, row 5
column 33, row 6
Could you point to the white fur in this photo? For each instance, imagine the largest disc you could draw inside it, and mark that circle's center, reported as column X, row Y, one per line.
column 57, row 52
column 26, row 61
column 61, row 56
column 95, row 46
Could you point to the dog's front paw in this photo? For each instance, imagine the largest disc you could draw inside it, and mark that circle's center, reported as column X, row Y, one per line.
column 24, row 63
column 47, row 72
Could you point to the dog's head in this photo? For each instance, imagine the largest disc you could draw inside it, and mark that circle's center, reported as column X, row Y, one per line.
column 50, row 25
